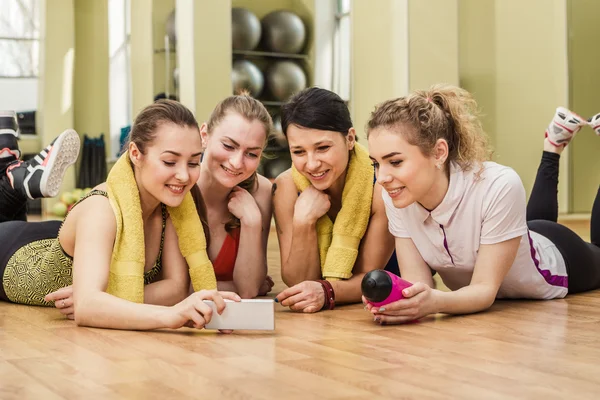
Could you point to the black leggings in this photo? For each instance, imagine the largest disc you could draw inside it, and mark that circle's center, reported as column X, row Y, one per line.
column 581, row 258
column 13, row 205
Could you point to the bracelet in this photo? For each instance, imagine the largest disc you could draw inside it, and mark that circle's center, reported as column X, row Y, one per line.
column 329, row 303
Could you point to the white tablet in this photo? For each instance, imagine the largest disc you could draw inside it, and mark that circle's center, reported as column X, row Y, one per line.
column 248, row 314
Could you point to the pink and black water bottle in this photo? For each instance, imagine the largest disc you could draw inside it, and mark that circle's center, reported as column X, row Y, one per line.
column 381, row 287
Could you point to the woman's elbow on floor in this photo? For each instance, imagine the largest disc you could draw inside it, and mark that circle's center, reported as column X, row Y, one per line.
column 79, row 317
column 81, row 313
column 248, row 293
column 486, row 303
column 288, row 280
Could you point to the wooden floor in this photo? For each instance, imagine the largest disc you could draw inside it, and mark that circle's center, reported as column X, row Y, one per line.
column 518, row 349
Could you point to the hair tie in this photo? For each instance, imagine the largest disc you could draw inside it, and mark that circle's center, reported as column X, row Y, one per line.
column 429, row 99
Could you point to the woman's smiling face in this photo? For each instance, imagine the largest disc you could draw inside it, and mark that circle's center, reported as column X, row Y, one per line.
column 233, row 149
column 321, row 156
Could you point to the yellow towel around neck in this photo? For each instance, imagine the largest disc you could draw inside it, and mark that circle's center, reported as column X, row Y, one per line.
column 339, row 242
column 126, row 277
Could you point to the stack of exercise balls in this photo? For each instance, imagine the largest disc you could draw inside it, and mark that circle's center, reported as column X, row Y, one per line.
column 266, row 63
column 281, row 33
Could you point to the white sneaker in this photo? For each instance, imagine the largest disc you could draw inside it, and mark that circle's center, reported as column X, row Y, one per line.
column 42, row 176
column 594, row 122
column 564, row 126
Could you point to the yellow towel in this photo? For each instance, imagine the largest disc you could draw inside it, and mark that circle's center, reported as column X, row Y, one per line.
column 339, row 242
column 126, row 277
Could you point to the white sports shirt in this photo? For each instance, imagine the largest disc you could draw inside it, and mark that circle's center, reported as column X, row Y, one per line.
column 487, row 210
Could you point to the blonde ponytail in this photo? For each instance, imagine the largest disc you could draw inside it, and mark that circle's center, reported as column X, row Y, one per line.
column 442, row 112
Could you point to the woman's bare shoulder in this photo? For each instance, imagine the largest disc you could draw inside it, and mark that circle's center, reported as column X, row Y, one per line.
column 264, row 186
column 285, row 181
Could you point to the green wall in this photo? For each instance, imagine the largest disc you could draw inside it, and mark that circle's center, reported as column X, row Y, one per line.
column 55, row 86
column 513, row 58
column 378, row 53
column 433, row 43
column 584, row 84
column 90, row 87
column 398, row 46
column 477, row 57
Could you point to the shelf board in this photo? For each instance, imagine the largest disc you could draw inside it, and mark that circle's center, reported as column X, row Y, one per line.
column 253, row 53
column 272, row 102
column 159, row 51
column 250, row 53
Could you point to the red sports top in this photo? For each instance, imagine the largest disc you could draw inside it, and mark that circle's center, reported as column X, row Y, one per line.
column 225, row 261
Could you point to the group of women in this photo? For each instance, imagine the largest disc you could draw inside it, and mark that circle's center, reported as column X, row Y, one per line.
column 185, row 217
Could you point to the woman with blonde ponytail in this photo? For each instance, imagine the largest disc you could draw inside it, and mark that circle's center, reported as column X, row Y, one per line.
column 452, row 210
column 238, row 200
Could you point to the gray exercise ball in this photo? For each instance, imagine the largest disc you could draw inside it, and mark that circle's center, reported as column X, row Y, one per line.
column 284, row 79
column 245, row 29
column 170, row 28
column 277, row 136
column 283, row 32
column 246, row 75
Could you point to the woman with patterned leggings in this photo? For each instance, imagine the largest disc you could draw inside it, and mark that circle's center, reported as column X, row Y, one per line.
column 453, row 211
column 37, row 258
column 20, row 181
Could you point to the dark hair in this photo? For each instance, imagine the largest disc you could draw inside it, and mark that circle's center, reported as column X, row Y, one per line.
column 252, row 110
column 143, row 134
column 442, row 112
column 316, row 108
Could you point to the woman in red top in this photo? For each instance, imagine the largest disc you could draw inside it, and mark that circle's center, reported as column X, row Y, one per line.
column 238, row 200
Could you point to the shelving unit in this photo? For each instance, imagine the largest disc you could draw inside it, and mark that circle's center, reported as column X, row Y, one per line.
column 254, row 53
column 270, row 103
column 262, row 58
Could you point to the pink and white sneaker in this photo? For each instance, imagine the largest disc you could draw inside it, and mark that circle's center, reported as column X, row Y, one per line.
column 563, row 127
column 42, row 175
column 594, row 122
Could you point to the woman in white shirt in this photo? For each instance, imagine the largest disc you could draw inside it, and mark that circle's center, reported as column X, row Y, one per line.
column 467, row 218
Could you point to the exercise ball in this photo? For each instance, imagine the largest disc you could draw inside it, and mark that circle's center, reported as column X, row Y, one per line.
column 284, row 79
column 277, row 137
column 170, row 28
column 245, row 29
column 283, row 32
column 176, row 77
column 246, row 75
column 277, row 166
